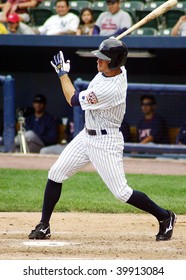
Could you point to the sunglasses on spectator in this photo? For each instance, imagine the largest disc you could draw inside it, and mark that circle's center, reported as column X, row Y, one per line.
column 146, row 104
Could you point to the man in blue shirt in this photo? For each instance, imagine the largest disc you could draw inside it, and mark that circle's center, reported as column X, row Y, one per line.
column 152, row 127
column 40, row 127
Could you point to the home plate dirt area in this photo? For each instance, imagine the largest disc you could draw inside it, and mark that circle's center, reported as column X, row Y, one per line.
column 91, row 235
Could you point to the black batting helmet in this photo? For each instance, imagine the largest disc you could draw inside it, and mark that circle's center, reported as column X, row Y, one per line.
column 114, row 51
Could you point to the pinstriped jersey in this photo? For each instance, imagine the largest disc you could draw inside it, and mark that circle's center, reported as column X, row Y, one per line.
column 104, row 101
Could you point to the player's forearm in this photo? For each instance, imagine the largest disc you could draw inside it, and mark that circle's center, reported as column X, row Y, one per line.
column 67, row 87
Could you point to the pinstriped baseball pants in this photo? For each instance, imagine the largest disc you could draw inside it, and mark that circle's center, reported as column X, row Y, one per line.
column 105, row 152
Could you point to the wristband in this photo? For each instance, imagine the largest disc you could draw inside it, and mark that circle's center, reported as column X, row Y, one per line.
column 62, row 73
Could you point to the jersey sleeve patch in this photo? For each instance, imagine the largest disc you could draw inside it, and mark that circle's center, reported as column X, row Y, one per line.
column 92, row 98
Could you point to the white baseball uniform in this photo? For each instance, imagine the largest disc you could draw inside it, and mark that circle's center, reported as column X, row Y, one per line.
column 104, row 102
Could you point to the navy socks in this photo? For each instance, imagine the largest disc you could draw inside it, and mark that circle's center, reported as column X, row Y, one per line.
column 143, row 202
column 137, row 199
column 51, row 197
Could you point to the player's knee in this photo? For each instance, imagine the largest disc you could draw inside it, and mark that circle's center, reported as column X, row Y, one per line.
column 124, row 193
column 29, row 135
column 55, row 174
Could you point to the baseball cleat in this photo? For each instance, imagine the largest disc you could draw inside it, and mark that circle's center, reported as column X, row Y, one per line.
column 41, row 231
column 166, row 228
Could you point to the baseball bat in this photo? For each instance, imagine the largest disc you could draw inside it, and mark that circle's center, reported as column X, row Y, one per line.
column 163, row 8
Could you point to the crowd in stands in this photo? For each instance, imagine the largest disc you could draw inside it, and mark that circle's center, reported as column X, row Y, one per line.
column 112, row 19
column 41, row 128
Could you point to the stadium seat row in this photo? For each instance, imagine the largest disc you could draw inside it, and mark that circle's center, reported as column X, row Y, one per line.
column 137, row 10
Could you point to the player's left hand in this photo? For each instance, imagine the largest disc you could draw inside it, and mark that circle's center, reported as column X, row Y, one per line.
column 61, row 67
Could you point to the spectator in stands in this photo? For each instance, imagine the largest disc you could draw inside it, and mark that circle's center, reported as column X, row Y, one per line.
column 58, row 148
column 3, row 29
column 20, row 7
column 40, row 127
column 179, row 28
column 14, row 25
column 181, row 138
column 63, row 23
column 112, row 22
column 152, row 127
column 86, row 22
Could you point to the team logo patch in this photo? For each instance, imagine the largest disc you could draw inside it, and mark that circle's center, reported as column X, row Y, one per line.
column 92, row 98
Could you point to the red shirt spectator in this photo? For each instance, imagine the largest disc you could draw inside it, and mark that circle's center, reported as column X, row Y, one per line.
column 20, row 7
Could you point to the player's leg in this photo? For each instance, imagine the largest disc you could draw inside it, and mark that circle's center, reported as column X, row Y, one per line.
column 166, row 218
column 69, row 162
column 72, row 158
column 33, row 141
column 108, row 160
column 106, row 154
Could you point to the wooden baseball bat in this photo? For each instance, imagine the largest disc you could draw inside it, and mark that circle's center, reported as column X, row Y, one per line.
column 163, row 8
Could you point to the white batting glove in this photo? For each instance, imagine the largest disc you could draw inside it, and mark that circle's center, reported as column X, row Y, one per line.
column 61, row 67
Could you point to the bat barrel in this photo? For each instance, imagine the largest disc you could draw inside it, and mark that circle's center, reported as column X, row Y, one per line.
column 152, row 15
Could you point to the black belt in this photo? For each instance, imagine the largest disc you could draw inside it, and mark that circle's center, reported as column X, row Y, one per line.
column 94, row 132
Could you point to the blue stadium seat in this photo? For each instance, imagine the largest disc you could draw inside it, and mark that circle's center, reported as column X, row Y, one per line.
column 77, row 6
column 149, row 7
column 181, row 5
column 164, row 32
column 98, row 7
column 172, row 16
column 40, row 13
column 145, row 31
column 131, row 8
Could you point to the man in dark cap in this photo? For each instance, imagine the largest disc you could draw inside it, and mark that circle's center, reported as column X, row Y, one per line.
column 112, row 22
column 40, row 127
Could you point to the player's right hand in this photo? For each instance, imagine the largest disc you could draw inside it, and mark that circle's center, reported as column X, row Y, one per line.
column 61, row 67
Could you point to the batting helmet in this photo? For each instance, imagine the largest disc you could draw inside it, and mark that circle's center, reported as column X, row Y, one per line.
column 114, row 51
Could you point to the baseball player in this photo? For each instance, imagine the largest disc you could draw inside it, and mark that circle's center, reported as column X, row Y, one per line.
column 100, row 142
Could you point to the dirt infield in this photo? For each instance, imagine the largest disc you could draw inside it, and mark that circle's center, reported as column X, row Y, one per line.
column 89, row 235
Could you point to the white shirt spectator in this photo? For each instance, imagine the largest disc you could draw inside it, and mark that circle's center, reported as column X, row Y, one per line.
column 57, row 25
column 110, row 24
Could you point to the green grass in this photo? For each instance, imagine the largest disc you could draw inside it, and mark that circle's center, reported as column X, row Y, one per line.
column 22, row 190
